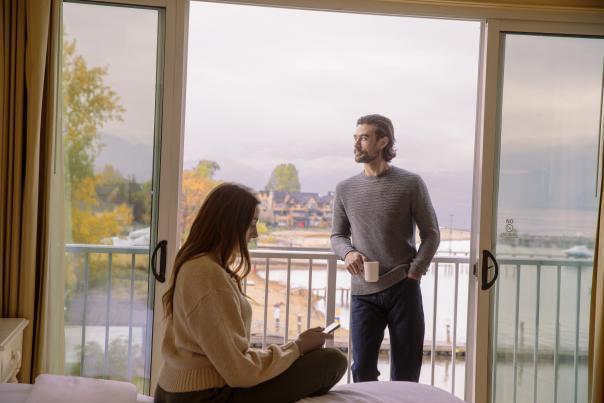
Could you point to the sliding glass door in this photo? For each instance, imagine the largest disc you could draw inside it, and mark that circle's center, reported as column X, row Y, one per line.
column 112, row 66
column 546, row 156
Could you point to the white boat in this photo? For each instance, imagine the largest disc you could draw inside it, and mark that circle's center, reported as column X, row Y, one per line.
column 579, row 251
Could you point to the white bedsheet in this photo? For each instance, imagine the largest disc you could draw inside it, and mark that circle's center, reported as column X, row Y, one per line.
column 51, row 389
column 368, row 392
column 18, row 393
column 384, row 392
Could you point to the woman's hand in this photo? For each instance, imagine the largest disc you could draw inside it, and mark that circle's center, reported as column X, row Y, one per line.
column 311, row 339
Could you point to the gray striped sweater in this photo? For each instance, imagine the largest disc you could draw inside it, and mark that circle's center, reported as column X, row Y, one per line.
column 377, row 216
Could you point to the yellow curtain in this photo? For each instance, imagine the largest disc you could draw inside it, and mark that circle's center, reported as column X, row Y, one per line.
column 596, row 317
column 29, row 48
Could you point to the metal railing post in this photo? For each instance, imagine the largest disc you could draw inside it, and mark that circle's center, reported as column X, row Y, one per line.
column 330, row 297
column 266, row 285
column 516, row 319
column 107, row 315
column 536, row 350
column 454, row 347
column 288, row 288
column 309, row 302
column 130, row 317
column 577, row 324
column 557, row 345
column 84, row 307
column 433, row 352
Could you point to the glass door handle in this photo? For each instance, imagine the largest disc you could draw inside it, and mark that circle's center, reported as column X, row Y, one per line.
column 486, row 256
column 161, row 275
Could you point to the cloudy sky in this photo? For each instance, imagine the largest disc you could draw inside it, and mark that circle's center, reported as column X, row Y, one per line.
column 267, row 86
column 124, row 40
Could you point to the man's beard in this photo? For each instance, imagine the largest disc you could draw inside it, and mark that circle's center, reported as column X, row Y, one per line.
column 364, row 157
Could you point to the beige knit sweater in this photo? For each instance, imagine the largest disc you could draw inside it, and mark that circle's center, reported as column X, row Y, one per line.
column 206, row 343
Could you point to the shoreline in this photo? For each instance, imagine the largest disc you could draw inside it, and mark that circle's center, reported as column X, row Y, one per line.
column 276, row 312
column 319, row 237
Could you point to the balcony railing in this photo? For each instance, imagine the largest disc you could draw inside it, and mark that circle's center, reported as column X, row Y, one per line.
column 322, row 287
column 526, row 278
column 98, row 318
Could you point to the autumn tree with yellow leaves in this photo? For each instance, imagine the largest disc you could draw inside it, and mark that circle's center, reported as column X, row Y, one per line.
column 88, row 103
column 197, row 182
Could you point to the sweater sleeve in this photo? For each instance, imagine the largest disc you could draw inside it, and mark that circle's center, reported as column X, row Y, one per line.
column 218, row 327
column 429, row 233
column 340, row 230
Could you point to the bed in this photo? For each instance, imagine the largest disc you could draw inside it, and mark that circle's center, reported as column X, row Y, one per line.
column 18, row 393
column 22, row 393
column 369, row 392
column 384, row 392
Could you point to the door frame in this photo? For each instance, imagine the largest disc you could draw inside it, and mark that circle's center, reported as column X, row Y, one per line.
column 495, row 20
column 486, row 183
column 168, row 228
column 171, row 87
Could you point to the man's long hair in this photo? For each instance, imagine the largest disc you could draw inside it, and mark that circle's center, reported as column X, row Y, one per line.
column 220, row 228
column 383, row 128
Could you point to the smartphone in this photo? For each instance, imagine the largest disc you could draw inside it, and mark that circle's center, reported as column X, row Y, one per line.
column 331, row 328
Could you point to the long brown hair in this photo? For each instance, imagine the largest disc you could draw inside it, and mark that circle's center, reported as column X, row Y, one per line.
column 383, row 128
column 220, row 228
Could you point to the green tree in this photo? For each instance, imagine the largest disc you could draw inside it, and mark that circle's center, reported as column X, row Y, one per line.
column 139, row 197
column 113, row 189
column 285, row 178
column 111, row 176
column 206, row 169
column 88, row 103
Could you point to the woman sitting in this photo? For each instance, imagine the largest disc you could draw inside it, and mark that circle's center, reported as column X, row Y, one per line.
column 206, row 346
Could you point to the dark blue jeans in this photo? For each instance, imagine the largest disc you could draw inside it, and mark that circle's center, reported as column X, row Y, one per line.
column 400, row 308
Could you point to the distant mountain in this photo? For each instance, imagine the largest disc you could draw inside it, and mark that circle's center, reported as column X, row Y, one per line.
column 128, row 158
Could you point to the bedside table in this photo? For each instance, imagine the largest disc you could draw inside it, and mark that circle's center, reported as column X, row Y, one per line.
column 11, row 342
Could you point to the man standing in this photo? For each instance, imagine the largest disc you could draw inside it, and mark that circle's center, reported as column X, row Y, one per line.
column 379, row 209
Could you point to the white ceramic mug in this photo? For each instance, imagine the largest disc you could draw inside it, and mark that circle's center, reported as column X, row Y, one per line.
column 371, row 271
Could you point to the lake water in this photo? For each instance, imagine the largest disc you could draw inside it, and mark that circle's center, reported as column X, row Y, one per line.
column 444, row 304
